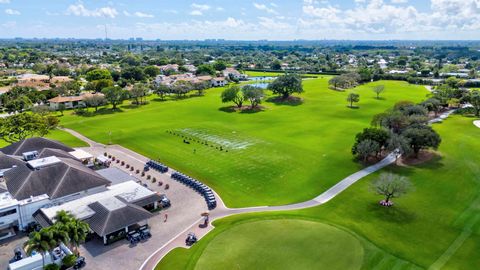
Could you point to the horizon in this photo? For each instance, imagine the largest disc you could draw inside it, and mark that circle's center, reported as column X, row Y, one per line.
column 277, row 20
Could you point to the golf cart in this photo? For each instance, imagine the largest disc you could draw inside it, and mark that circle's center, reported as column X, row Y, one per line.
column 191, row 239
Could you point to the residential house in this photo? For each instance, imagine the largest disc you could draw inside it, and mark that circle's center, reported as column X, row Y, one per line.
column 234, row 74
column 70, row 102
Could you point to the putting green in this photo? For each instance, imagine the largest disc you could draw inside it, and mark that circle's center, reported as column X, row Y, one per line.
column 282, row 244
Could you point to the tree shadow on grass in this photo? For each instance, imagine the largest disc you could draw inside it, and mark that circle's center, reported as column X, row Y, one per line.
column 244, row 109
column 227, row 109
column 252, row 110
column 354, row 107
column 101, row 111
column 290, row 101
column 393, row 214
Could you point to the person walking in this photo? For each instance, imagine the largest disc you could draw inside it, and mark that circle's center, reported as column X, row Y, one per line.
column 166, row 217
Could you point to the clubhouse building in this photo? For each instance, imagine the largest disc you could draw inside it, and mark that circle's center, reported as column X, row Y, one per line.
column 39, row 177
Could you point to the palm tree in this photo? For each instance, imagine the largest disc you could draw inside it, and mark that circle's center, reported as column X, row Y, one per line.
column 42, row 242
column 75, row 229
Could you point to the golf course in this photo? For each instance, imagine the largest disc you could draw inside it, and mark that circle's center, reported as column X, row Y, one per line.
column 435, row 226
column 291, row 152
column 285, row 153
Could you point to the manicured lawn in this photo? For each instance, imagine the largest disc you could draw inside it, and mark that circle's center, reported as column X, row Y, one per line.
column 439, row 220
column 263, row 74
column 60, row 136
column 279, row 244
column 281, row 155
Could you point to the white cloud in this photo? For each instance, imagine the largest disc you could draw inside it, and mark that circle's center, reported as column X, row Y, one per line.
column 143, row 15
column 219, row 9
column 10, row 11
column 196, row 13
column 377, row 16
column 80, row 10
column 4, row 1
column 200, row 7
column 263, row 7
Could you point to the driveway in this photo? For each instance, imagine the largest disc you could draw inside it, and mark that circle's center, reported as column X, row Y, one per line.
column 185, row 211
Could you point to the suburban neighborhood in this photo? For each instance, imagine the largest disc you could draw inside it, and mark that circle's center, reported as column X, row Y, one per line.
column 214, row 135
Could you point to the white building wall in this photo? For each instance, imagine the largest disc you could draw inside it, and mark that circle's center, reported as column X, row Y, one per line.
column 8, row 220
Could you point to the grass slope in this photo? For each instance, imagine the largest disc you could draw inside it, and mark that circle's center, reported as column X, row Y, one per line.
column 60, row 136
column 281, row 155
column 438, row 223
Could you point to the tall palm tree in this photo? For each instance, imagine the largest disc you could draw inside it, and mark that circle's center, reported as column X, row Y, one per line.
column 76, row 230
column 41, row 242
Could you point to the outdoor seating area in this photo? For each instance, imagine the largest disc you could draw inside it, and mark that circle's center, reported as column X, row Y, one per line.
column 141, row 234
column 198, row 186
column 156, row 166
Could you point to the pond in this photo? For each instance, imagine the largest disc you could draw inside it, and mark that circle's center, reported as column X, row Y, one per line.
column 256, row 79
column 262, row 85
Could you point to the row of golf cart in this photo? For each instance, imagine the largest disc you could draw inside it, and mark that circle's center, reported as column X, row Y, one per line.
column 141, row 234
column 198, row 186
column 156, row 166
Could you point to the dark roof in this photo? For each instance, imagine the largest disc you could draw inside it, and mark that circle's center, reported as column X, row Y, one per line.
column 48, row 152
column 116, row 176
column 148, row 200
column 104, row 221
column 42, row 219
column 56, row 180
column 33, row 144
column 8, row 161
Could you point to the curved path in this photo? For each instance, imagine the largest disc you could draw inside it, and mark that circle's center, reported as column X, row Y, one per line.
column 477, row 123
column 223, row 211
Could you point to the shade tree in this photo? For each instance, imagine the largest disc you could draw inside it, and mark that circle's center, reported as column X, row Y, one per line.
column 286, row 85
column 353, row 98
column 115, row 95
column 391, row 186
column 253, row 94
column 233, row 94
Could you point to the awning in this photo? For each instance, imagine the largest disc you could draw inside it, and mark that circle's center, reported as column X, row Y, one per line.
column 81, row 155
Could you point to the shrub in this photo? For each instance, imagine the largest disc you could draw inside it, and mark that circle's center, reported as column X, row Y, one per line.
column 113, row 158
column 131, row 169
column 137, row 171
column 167, row 186
column 123, row 163
column 143, row 174
column 69, row 260
column 154, row 180
column 52, row 266
column 160, row 183
column 148, row 177
column 105, row 154
column 118, row 160
column 109, row 156
column 128, row 166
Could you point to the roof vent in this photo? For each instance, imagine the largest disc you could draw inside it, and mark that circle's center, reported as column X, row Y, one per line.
column 37, row 164
column 27, row 156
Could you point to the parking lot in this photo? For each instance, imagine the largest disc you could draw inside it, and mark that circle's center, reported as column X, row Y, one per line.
column 187, row 205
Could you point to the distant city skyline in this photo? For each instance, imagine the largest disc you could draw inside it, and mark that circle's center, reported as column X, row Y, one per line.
column 243, row 20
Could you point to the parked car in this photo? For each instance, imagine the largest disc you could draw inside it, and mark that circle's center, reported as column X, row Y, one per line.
column 164, row 201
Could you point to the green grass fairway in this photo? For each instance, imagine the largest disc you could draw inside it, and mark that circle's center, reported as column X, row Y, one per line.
column 60, row 136
column 281, row 155
column 282, row 244
column 278, row 244
column 438, row 222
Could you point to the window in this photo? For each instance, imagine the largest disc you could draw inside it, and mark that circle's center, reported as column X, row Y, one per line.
column 9, row 212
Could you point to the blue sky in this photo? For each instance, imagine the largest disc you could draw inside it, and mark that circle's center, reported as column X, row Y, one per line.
column 242, row 19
